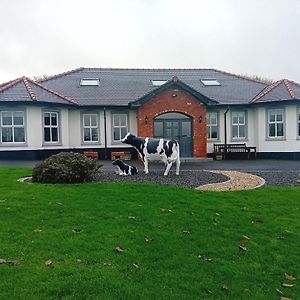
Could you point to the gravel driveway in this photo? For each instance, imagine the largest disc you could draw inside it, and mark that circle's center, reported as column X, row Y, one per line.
column 186, row 179
column 278, row 177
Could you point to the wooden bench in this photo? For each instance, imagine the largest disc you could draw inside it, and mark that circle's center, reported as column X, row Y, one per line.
column 120, row 154
column 91, row 154
column 231, row 151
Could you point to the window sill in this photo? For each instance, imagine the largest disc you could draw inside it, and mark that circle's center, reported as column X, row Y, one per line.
column 13, row 144
column 239, row 140
column 213, row 140
column 276, row 139
column 51, row 144
column 90, row 143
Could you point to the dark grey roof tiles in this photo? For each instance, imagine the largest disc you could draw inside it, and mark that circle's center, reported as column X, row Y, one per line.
column 121, row 86
column 24, row 89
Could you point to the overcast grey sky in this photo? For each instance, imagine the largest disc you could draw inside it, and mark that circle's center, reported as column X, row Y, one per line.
column 257, row 37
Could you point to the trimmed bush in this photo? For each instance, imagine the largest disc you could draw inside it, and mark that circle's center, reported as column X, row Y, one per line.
column 66, row 167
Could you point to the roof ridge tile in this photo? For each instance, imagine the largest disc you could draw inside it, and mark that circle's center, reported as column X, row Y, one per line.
column 10, row 84
column 59, row 75
column 29, row 89
column 288, row 87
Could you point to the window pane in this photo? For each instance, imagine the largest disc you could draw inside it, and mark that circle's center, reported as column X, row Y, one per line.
column 54, row 119
column 7, row 135
column 213, row 119
column 54, row 132
column 241, row 118
column 242, row 131
column 47, row 134
column 123, row 132
column 47, row 119
column 94, row 120
column 186, row 129
column 86, row 133
column 280, row 129
column 6, row 118
column 94, row 134
column 235, row 131
column 19, row 134
column 271, row 116
column 86, row 120
column 116, row 134
column 123, row 118
column 158, row 129
column 214, row 132
column 279, row 116
column 18, row 118
column 271, row 129
column 235, row 118
column 116, row 120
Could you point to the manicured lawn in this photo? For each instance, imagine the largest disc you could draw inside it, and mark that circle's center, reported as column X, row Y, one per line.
column 178, row 244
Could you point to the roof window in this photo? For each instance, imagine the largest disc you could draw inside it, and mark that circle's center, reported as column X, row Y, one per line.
column 158, row 82
column 210, row 82
column 89, row 82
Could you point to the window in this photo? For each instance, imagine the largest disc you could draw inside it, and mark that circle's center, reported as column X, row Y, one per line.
column 275, row 123
column 120, row 126
column 212, row 125
column 89, row 82
column 158, row 82
column 51, row 130
column 90, row 128
column 12, row 127
column 238, row 124
column 210, row 82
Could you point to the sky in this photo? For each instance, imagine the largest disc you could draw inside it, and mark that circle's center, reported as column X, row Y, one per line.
column 253, row 37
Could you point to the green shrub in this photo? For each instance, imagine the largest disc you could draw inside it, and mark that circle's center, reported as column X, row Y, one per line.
column 65, row 167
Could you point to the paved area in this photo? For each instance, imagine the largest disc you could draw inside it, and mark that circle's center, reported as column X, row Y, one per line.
column 209, row 164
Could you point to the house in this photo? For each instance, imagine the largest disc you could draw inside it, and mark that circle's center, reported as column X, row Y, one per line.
column 91, row 109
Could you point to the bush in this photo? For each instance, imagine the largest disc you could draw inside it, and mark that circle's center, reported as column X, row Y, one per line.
column 65, row 167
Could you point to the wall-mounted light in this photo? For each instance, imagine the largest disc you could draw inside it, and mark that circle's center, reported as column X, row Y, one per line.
column 174, row 95
column 200, row 119
column 146, row 120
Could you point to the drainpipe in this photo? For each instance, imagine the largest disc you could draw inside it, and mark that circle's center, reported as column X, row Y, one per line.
column 225, row 124
column 105, row 134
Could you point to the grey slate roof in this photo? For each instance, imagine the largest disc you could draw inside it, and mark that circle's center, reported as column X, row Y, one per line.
column 25, row 90
column 118, row 87
column 280, row 90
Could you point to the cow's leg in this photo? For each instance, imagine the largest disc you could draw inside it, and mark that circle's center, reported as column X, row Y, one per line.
column 146, row 170
column 177, row 165
column 169, row 165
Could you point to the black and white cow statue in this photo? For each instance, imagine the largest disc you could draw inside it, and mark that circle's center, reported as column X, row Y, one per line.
column 124, row 169
column 152, row 149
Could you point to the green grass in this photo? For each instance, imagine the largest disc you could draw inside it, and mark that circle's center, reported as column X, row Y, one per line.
column 81, row 225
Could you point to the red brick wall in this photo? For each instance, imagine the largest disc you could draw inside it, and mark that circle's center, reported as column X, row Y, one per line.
column 183, row 102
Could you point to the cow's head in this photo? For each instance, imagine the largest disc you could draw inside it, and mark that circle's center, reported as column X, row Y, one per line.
column 128, row 138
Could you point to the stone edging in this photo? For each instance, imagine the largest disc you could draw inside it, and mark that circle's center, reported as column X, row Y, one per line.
column 237, row 181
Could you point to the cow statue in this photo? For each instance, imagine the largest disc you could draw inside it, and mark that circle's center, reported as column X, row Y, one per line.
column 151, row 149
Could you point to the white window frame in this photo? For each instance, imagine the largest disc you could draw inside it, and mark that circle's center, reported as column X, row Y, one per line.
column 158, row 82
column 89, row 82
column 276, row 122
column 50, row 126
column 210, row 82
column 13, row 126
column 239, row 124
column 90, row 127
column 209, row 125
column 119, row 127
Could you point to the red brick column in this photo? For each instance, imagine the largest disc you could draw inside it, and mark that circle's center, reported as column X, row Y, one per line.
column 175, row 100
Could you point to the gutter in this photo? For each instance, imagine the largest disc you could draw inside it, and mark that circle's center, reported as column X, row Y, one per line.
column 225, row 124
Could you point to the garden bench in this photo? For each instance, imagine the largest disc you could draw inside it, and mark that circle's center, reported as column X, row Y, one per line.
column 232, row 151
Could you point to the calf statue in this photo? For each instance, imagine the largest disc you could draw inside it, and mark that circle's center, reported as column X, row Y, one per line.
column 151, row 149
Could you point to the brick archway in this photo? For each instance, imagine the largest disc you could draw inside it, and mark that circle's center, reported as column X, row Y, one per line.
column 175, row 100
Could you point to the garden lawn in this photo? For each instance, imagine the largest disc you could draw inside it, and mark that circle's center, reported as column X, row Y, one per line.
column 177, row 243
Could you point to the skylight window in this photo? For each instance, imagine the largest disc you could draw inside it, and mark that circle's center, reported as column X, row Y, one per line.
column 158, row 82
column 89, row 82
column 210, row 82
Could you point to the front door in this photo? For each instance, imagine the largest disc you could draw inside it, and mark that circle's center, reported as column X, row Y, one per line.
column 178, row 127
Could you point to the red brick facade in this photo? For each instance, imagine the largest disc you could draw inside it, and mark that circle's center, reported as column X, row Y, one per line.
column 175, row 100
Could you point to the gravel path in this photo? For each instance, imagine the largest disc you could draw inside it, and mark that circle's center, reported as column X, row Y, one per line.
column 186, row 179
column 279, row 177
